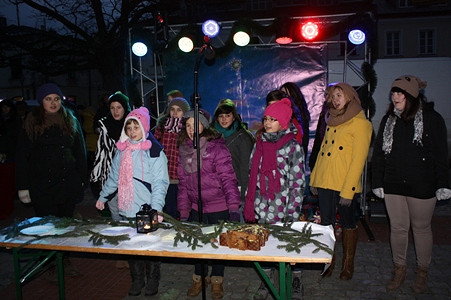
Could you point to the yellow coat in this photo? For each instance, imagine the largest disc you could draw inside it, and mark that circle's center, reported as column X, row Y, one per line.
column 342, row 157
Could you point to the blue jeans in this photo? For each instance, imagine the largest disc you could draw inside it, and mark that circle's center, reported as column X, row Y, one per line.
column 328, row 205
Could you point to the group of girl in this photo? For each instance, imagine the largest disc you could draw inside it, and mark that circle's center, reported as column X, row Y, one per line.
column 243, row 178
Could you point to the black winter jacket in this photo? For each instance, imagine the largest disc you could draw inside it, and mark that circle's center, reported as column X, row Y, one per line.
column 410, row 169
column 53, row 167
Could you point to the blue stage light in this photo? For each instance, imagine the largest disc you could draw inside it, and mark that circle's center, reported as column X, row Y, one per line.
column 210, row 28
column 139, row 49
column 356, row 36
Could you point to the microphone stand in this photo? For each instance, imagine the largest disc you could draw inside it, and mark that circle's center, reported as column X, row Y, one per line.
column 196, row 145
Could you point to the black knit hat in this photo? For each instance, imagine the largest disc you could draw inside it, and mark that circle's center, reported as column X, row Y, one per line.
column 122, row 99
column 47, row 89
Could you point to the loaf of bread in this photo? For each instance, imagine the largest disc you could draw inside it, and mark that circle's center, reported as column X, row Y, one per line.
column 245, row 237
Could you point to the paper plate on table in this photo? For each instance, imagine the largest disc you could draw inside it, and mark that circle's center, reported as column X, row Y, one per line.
column 142, row 242
column 38, row 229
column 118, row 230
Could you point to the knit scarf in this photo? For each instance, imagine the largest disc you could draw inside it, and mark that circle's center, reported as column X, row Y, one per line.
column 189, row 155
column 125, row 183
column 390, row 125
column 335, row 117
column 264, row 161
column 173, row 125
column 226, row 132
column 114, row 126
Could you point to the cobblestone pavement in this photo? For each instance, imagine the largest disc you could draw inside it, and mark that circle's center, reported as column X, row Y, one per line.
column 372, row 270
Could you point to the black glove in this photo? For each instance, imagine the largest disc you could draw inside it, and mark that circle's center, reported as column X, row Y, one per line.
column 234, row 216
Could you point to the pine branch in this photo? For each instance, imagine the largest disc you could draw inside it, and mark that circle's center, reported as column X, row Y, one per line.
column 192, row 233
column 189, row 232
column 295, row 239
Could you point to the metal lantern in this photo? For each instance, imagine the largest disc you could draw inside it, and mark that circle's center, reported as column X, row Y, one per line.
column 146, row 219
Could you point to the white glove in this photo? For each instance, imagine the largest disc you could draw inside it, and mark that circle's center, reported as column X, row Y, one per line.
column 379, row 192
column 24, row 196
column 345, row 202
column 443, row 194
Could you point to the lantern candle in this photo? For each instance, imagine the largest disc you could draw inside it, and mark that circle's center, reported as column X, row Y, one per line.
column 146, row 219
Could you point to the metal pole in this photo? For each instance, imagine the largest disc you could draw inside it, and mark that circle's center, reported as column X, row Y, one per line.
column 141, row 80
column 157, row 97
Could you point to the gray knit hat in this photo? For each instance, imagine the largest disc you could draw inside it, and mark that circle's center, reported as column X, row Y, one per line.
column 180, row 102
column 204, row 117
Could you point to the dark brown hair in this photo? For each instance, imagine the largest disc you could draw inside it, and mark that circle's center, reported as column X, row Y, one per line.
column 412, row 104
column 37, row 123
column 209, row 133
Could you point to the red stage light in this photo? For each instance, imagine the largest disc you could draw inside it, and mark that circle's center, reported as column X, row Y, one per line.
column 160, row 18
column 283, row 40
column 309, row 31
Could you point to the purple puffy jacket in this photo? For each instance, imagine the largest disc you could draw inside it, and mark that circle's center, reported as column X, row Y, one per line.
column 219, row 186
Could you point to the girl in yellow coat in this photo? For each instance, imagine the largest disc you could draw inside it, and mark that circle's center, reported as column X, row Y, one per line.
column 336, row 177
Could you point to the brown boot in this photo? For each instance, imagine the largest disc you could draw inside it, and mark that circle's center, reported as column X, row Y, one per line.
column 196, row 288
column 420, row 284
column 399, row 275
column 328, row 272
column 349, row 246
column 217, row 291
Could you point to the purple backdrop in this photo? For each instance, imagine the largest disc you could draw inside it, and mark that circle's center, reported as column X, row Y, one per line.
column 248, row 74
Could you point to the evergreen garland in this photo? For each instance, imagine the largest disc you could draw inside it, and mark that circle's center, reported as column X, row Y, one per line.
column 192, row 233
column 295, row 239
column 189, row 232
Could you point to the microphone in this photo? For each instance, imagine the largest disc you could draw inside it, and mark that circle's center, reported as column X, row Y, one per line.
column 209, row 52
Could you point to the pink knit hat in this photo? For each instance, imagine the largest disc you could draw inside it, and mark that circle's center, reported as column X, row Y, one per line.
column 281, row 111
column 142, row 116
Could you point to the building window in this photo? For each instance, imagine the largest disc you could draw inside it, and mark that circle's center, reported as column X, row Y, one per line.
column 392, row 43
column 427, row 41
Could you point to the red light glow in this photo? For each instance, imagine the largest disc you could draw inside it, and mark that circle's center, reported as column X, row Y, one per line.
column 309, row 31
column 283, row 40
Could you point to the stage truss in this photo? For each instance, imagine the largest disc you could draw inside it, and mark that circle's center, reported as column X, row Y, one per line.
column 152, row 78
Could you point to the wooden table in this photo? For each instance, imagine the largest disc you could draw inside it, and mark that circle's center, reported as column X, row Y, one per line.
column 160, row 244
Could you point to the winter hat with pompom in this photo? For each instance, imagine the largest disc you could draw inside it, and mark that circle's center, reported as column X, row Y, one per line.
column 142, row 116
